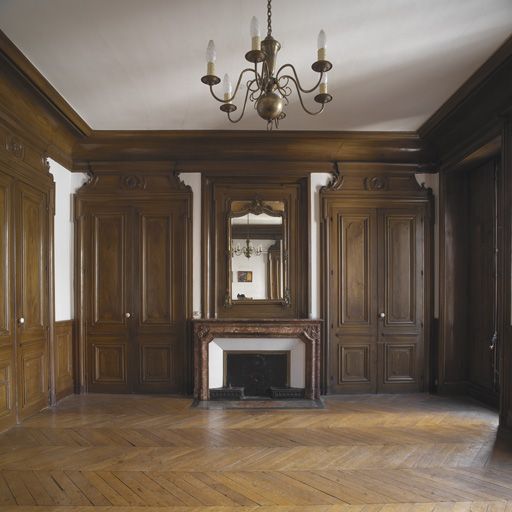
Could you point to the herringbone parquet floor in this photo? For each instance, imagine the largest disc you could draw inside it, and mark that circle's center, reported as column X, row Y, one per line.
column 371, row 453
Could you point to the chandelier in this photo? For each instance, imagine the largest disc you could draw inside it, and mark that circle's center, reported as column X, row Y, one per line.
column 247, row 250
column 267, row 88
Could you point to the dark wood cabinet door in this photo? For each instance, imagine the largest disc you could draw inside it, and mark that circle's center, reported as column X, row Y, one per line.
column 376, row 299
column 159, row 295
column 400, row 309
column 108, row 271
column 7, row 361
column 353, row 300
column 31, row 299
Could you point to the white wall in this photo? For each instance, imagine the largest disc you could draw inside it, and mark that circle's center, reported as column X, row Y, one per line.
column 193, row 179
column 317, row 181
column 66, row 183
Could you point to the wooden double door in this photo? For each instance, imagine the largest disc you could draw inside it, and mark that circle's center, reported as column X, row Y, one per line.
column 24, row 298
column 134, row 275
column 376, row 299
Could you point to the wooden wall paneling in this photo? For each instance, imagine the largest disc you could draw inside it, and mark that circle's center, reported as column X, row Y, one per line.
column 64, row 358
column 453, row 270
column 482, row 282
column 7, row 347
column 505, row 274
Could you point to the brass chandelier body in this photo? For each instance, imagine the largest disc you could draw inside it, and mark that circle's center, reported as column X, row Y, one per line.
column 267, row 88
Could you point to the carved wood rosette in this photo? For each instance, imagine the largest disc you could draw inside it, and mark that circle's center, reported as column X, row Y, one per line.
column 308, row 331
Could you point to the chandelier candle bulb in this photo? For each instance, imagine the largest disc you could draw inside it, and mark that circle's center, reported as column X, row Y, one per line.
column 322, row 45
column 228, row 88
column 323, row 84
column 211, row 57
column 255, row 34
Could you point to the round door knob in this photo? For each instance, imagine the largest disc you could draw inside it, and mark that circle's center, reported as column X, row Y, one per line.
column 382, row 315
column 21, row 321
column 127, row 315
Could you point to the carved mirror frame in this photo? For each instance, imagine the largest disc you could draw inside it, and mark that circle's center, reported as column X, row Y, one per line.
column 257, row 206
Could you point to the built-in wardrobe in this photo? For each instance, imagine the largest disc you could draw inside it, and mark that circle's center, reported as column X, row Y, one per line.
column 377, row 232
column 26, row 302
column 133, row 293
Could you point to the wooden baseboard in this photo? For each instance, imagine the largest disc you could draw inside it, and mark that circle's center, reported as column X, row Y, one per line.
column 64, row 347
column 453, row 388
column 483, row 395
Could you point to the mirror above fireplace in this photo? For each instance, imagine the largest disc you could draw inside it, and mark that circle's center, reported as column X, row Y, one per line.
column 257, row 252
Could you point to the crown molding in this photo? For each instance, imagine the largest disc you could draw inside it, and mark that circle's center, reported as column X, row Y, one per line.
column 473, row 115
column 251, row 146
column 31, row 74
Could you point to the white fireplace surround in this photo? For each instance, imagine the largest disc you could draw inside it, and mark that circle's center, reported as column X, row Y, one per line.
column 295, row 346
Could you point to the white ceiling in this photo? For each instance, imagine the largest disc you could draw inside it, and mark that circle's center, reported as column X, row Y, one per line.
column 137, row 64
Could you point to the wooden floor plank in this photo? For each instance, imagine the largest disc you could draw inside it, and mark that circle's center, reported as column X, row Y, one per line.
column 385, row 453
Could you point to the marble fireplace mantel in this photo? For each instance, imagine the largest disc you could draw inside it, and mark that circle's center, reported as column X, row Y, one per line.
column 307, row 331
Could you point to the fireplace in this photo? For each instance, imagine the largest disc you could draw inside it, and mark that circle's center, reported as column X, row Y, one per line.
column 300, row 338
column 257, row 372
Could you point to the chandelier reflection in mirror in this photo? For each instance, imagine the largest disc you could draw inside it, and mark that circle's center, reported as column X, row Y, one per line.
column 248, row 249
column 267, row 88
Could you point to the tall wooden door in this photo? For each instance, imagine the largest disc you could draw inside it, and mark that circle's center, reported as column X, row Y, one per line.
column 135, row 274
column 158, row 300
column 108, row 277
column 376, row 299
column 31, row 299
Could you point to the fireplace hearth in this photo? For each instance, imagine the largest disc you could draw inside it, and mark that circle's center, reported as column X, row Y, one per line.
column 257, row 372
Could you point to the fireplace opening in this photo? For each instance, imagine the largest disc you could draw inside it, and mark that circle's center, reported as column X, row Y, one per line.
column 257, row 372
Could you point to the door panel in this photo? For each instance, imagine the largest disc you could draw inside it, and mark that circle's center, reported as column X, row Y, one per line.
column 400, row 360
column 32, row 293
column 159, row 301
column 7, row 373
column 353, row 297
column 109, row 265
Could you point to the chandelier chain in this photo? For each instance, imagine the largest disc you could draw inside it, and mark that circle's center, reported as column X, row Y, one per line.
column 269, row 17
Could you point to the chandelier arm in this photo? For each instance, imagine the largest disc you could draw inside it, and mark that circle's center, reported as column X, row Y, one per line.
column 301, row 100
column 249, row 70
column 243, row 109
column 297, row 81
column 259, row 79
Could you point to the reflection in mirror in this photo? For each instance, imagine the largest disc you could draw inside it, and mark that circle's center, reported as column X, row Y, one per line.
column 257, row 248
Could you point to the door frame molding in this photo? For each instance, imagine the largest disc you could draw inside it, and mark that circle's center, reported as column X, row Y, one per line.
column 378, row 186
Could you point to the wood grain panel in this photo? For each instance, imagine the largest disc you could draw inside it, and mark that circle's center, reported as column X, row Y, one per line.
column 400, row 270
column 32, row 290
column 156, row 364
column 5, row 260
column 6, row 386
column 156, row 233
column 110, row 250
column 354, row 364
column 355, row 287
column 33, row 380
column 64, row 344
column 109, row 363
column 400, row 362
column 32, row 262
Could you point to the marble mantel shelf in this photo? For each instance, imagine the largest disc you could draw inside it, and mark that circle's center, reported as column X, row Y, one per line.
column 307, row 330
